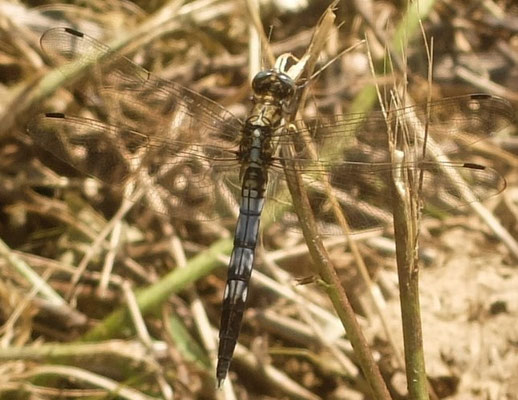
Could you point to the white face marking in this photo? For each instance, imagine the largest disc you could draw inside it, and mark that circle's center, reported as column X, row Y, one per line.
column 244, row 295
column 256, row 133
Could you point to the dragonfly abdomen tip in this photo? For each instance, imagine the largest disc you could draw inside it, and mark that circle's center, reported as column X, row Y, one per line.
column 220, row 383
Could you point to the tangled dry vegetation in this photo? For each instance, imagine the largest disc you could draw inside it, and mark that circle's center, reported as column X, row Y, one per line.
column 102, row 298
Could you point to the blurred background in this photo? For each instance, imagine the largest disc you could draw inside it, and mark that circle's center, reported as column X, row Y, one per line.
column 74, row 252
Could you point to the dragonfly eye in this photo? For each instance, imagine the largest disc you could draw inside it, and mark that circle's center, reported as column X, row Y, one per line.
column 274, row 83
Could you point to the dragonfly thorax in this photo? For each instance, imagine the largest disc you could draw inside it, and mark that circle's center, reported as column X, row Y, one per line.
column 272, row 89
column 255, row 147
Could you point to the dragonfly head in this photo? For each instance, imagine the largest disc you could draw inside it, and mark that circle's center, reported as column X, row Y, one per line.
column 273, row 83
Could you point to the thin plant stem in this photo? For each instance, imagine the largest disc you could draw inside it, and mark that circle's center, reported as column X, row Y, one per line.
column 406, row 232
column 322, row 264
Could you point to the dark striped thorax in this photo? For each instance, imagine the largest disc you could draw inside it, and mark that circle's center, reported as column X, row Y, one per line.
column 272, row 92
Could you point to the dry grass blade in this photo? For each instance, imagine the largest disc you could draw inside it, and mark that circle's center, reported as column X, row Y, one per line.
column 130, row 242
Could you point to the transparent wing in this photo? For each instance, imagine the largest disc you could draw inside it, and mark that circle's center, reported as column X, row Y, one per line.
column 363, row 190
column 451, row 122
column 73, row 50
column 182, row 179
column 347, row 156
column 180, row 144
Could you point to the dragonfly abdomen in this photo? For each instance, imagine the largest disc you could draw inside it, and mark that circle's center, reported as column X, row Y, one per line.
column 240, row 266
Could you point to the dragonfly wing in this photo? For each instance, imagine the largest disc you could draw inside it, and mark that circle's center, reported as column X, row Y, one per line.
column 362, row 191
column 450, row 122
column 179, row 176
column 355, row 187
column 347, row 156
column 76, row 51
column 171, row 125
column 181, row 145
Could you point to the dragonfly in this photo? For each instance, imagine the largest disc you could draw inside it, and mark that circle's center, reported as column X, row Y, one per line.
column 198, row 162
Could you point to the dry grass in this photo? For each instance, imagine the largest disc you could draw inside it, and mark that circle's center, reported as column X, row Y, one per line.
column 102, row 297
